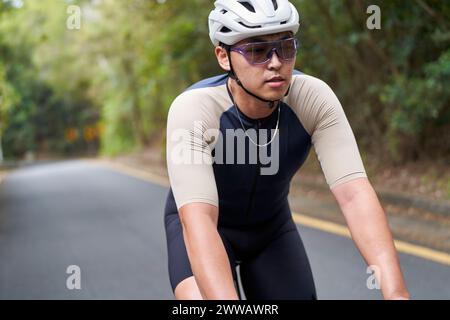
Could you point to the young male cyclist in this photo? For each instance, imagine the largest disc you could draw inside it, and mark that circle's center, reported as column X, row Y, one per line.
column 234, row 142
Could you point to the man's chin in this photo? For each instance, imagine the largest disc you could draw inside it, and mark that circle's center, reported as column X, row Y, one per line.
column 274, row 94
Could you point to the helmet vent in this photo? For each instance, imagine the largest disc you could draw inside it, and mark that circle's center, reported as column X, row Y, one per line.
column 225, row 30
column 251, row 27
column 248, row 6
column 275, row 4
column 283, row 22
column 223, row 11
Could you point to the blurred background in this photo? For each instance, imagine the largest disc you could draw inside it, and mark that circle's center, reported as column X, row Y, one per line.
column 95, row 79
column 105, row 88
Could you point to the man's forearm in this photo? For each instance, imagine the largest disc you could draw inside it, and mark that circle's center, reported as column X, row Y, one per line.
column 370, row 231
column 209, row 262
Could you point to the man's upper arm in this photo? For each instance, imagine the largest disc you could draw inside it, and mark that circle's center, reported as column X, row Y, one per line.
column 324, row 119
column 193, row 214
column 190, row 124
column 347, row 191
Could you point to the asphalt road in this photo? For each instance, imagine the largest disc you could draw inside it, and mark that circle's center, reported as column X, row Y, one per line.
column 110, row 225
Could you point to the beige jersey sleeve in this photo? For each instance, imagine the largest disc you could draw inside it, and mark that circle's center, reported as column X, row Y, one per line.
column 323, row 117
column 192, row 122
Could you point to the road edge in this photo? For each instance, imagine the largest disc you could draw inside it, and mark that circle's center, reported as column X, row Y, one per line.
column 304, row 220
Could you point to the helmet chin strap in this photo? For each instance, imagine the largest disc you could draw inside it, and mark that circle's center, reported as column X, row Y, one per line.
column 232, row 75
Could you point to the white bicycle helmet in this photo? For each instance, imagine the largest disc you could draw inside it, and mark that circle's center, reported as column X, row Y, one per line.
column 234, row 20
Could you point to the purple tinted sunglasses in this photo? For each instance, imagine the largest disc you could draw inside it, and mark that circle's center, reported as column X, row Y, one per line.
column 261, row 52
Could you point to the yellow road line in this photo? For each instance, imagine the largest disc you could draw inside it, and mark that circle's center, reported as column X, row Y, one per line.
column 330, row 227
column 134, row 172
column 3, row 175
column 402, row 246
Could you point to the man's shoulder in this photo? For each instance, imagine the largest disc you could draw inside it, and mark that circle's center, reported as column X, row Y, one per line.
column 313, row 101
column 303, row 80
column 308, row 91
column 209, row 82
column 203, row 98
column 203, row 91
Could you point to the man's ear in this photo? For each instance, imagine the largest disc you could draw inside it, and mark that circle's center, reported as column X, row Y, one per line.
column 222, row 58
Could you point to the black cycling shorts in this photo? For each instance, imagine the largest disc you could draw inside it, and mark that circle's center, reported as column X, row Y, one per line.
column 272, row 259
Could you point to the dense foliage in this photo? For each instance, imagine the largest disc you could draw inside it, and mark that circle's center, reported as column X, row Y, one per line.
column 109, row 83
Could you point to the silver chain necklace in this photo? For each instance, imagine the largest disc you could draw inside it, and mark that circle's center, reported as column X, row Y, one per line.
column 243, row 127
column 256, row 144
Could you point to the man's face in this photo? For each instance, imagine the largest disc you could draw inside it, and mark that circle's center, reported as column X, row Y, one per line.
column 257, row 78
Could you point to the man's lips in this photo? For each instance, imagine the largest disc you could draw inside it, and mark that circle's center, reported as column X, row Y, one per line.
column 275, row 82
column 275, row 79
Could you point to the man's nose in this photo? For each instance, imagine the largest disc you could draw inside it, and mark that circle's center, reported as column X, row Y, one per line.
column 274, row 61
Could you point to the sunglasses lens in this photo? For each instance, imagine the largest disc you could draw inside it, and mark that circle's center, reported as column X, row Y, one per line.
column 288, row 49
column 259, row 52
